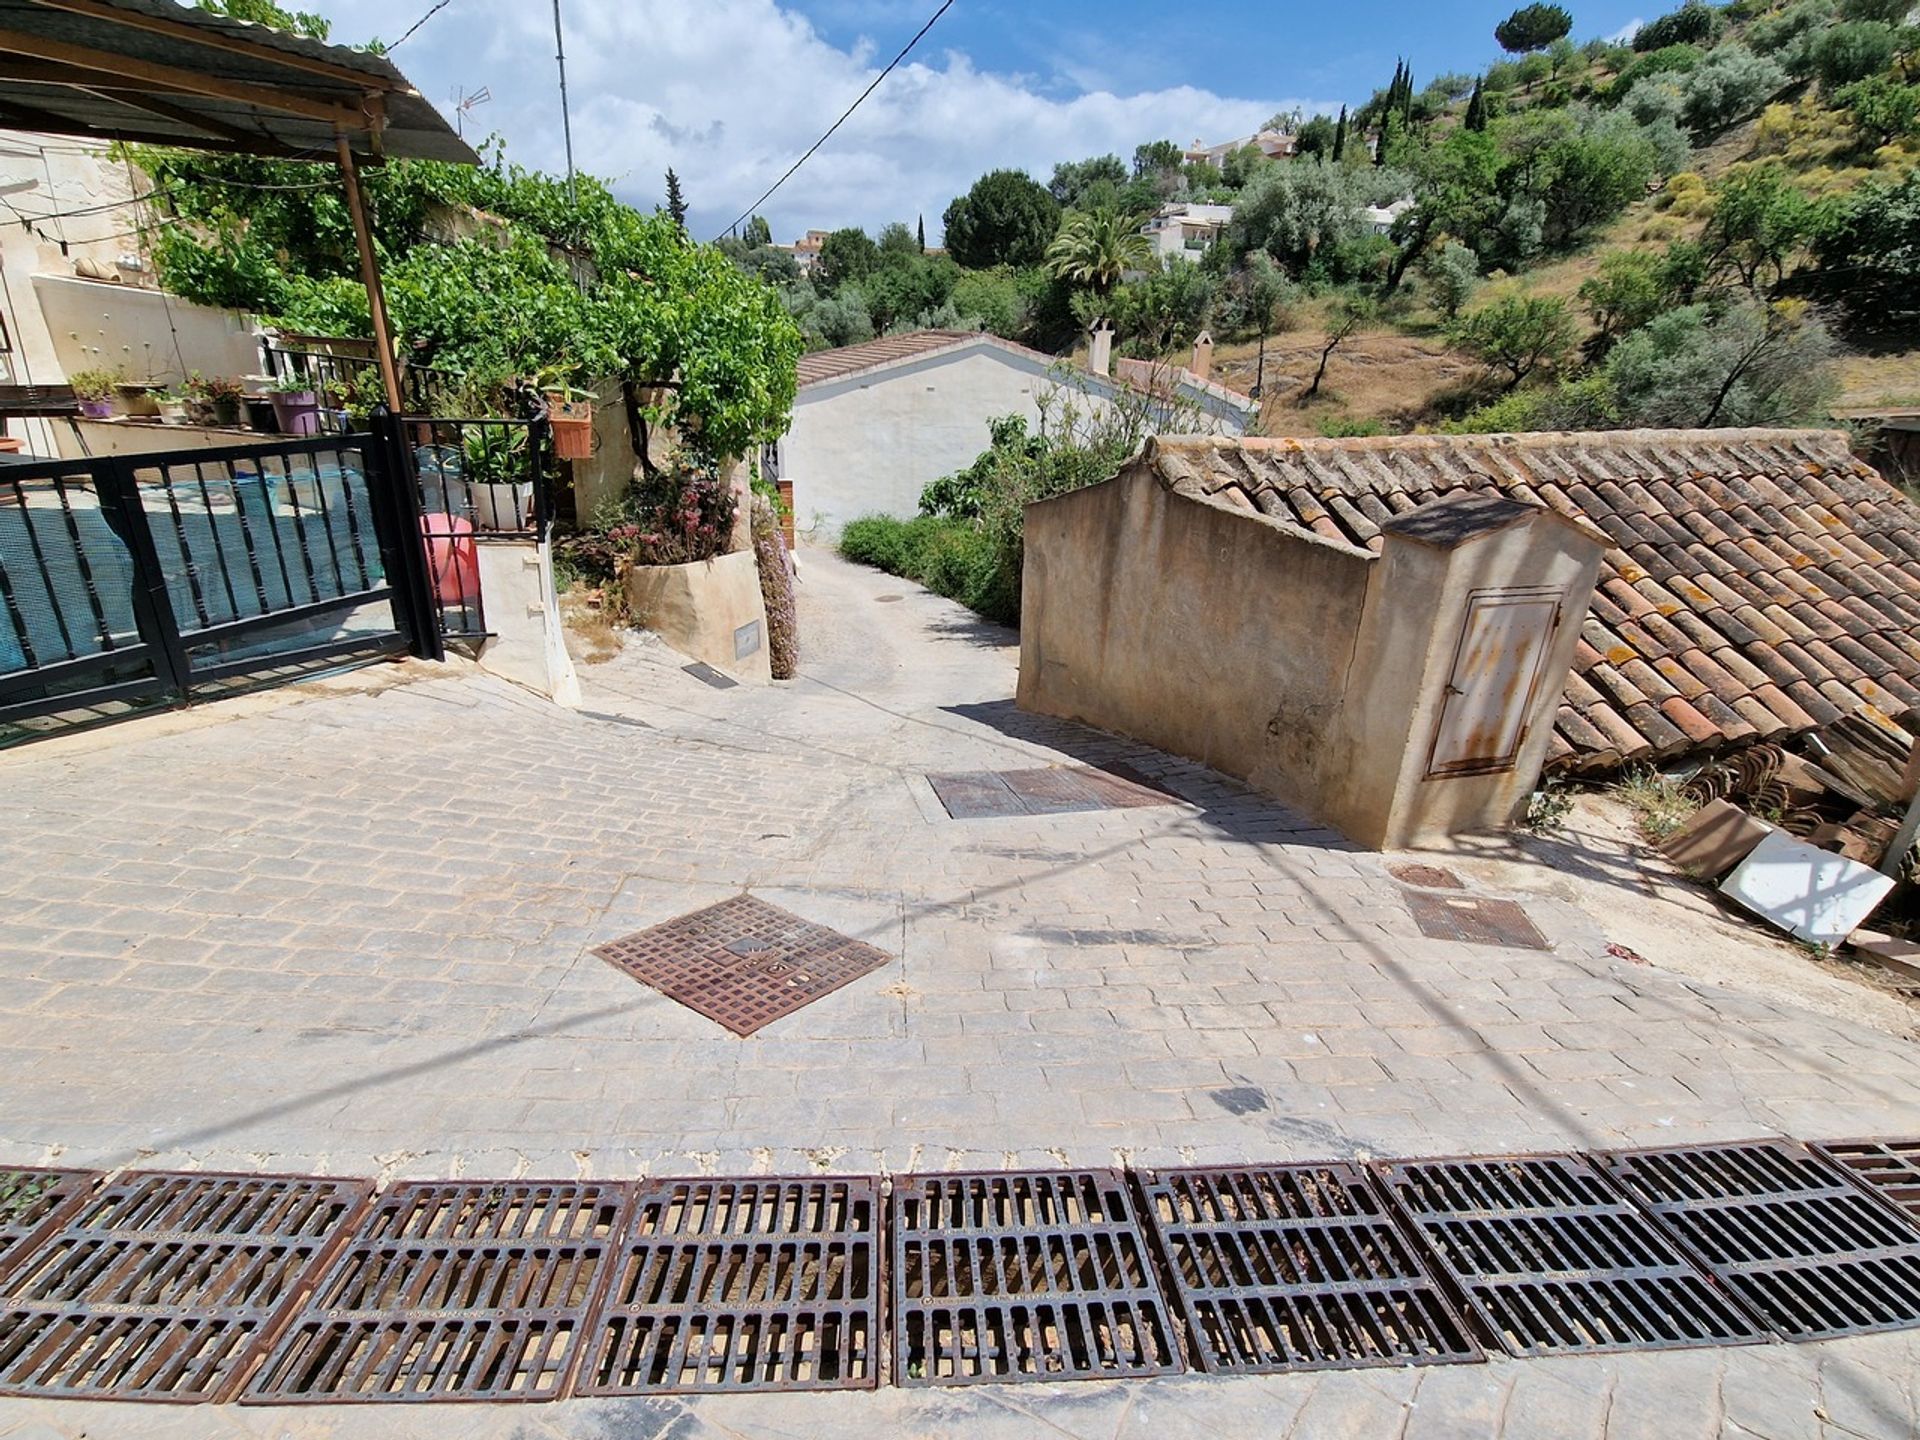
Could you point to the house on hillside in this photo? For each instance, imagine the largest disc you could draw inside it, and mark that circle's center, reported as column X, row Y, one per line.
column 874, row 423
column 1749, row 585
column 1185, row 229
column 806, row 250
column 1274, row 144
column 1379, row 218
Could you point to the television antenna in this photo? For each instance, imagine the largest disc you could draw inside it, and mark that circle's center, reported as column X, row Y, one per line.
column 465, row 104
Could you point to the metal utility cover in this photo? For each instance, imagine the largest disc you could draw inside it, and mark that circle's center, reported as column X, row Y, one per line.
column 1427, row 877
column 1497, row 670
column 1801, row 1245
column 1297, row 1267
column 1812, row 894
column 1023, row 1276
column 707, row 675
column 1052, row 790
column 1474, row 920
column 1888, row 1167
column 1554, row 1261
column 162, row 1287
column 766, row 1284
column 31, row 1199
column 743, row 963
column 451, row 1290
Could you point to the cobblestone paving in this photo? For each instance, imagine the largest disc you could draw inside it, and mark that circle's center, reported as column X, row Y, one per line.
column 350, row 936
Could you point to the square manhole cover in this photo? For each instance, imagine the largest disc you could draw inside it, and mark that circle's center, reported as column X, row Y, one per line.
column 1051, row 790
column 743, row 963
column 1555, row 1261
column 1473, row 920
column 451, row 1290
column 1023, row 1276
column 765, row 1284
column 1890, row 1167
column 1297, row 1267
column 161, row 1287
column 1789, row 1234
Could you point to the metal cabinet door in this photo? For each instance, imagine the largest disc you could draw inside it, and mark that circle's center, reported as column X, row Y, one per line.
column 1496, row 677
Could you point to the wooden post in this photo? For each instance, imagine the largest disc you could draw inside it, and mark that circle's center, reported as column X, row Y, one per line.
column 370, row 277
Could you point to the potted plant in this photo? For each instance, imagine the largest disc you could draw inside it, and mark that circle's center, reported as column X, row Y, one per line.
column 296, row 407
column 94, row 390
column 137, row 397
column 494, row 458
column 215, row 401
column 172, row 405
column 569, row 415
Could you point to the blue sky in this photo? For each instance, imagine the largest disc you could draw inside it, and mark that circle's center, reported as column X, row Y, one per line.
column 729, row 92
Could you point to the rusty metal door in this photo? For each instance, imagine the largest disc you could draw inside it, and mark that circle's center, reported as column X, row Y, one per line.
column 1496, row 677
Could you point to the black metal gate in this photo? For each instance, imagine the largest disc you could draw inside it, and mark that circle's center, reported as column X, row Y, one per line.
column 133, row 580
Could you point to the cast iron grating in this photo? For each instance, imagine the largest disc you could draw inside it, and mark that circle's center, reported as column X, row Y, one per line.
column 1799, row 1243
column 1889, row 1167
column 743, row 963
column 1426, row 877
column 1553, row 1260
column 31, row 1198
column 1473, row 920
column 1297, row 1267
column 742, row 1285
column 162, row 1287
column 451, row 1290
column 1023, row 1276
column 987, row 794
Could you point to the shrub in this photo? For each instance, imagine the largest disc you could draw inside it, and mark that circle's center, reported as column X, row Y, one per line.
column 1517, row 334
column 954, row 558
column 1453, row 274
column 1868, row 246
column 1674, row 60
column 1585, row 404
column 1694, row 23
column 776, row 591
column 1883, row 110
column 1747, row 364
column 1730, row 85
column 1850, row 52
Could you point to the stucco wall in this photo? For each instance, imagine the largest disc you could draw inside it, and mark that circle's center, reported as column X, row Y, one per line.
column 1200, row 628
column 1311, row 669
column 868, row 445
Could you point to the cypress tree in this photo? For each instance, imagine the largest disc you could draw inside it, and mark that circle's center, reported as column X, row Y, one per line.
column 1340, row 135
column 1476, row 110
column 676, row 202
column 923, row 234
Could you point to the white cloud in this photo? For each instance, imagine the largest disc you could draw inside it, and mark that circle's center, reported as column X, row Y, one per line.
column 730, row 92
column 1624, row 35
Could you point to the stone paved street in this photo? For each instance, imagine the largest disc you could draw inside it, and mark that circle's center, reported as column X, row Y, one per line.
column 350, row 934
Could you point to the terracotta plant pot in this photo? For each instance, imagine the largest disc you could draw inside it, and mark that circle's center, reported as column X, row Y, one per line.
column 297, row 412
column 572, row 423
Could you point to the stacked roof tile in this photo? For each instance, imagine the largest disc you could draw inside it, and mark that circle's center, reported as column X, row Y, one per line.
column 1759, row 583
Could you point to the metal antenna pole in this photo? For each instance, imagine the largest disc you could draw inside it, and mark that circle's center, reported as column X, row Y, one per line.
column 566, row 122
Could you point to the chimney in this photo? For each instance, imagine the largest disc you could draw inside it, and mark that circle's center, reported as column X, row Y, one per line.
column 1203, row 356
column 1100, row 347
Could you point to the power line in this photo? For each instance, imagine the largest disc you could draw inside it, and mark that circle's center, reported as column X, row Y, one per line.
column 432, row 10
column 747, row 214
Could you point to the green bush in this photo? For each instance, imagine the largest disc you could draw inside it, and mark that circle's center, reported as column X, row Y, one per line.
column 954, row 558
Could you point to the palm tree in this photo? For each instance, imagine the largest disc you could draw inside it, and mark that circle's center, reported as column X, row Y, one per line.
column 1097, row 248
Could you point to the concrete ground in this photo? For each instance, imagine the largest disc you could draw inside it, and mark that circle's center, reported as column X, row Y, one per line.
column 350, row 935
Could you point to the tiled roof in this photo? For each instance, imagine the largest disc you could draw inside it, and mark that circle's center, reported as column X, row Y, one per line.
column 1758, row 583
column 887, row 350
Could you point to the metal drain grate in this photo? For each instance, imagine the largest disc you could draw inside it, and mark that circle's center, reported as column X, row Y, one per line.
column 1791, row 1235
column 707, row 675
column 1297, row 1267
column 1473, row 920
column 743, row 963
column 451, row 1291
column 1554, row 1261
column 30, row 1199
column 1427, row 877
column 1890, row 1167
column 742, row 1285
column 1023, row 1276
column 161, row 1287
column 989, row 794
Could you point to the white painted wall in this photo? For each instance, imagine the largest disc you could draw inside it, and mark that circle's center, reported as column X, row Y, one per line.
column 149, row 334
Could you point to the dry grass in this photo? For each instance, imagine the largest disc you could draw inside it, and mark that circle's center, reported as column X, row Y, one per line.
column 1659, row 808
column 1381, row 376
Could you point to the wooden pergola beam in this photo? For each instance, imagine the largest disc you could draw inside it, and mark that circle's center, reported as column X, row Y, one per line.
column 355, row 118
column 216, row 40
column 151, row 105
column 49, row 72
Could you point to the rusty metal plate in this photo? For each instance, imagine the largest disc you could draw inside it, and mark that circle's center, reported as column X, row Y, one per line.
column 766, row 1284
column 1023, row 1276
column 1473, row 920
column 1888, row 1167
column 1297, row 1267
column 1050, row 790
column 1788, row 1233
column 162, row 1287
column 31, row 1199
column 1554, row 1261
column 743, row 963
column 451, row 1290
column 1426, row 877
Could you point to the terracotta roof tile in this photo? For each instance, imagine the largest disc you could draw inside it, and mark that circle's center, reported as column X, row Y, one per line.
column 1760, row 583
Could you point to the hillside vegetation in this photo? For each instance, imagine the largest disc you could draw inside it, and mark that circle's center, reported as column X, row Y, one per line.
column 1716, row 224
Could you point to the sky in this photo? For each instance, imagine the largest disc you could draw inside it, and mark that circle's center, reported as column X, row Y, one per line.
column 730, row 92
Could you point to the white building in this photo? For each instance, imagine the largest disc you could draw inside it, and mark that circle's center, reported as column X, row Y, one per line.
column 1380, row 218
column 1186, row 230
column 874, row 423
column 1274, row 144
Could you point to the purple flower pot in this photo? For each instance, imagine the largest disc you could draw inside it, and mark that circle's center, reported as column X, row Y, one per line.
column 297, row 411
column 96, row 409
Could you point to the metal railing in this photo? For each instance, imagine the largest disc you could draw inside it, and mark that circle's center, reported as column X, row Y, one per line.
column 350, row 369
